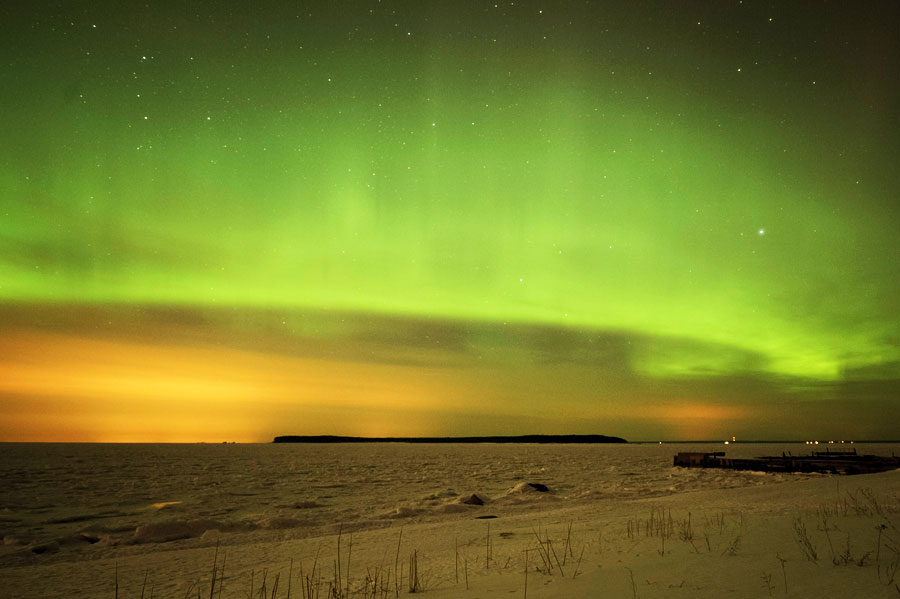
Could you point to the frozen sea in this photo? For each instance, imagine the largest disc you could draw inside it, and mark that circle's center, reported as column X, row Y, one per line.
column 73, row 501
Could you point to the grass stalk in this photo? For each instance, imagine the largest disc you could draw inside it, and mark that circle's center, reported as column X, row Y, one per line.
column 456, row 554
column 337, row 568
column 526, row 574
column 215, row 568
column 144, row 585
column 581, row 555
column 349, row 553
column 290, row 574
column 783, row 571
column 466, row 567
column 275, row 586
column 222, row 574
column 803, row 540
column 396, row 561
column 542, row 551
column 558, row 565
column 633, row 585
column 303, row 584
column 415, row 584
column 262, row 585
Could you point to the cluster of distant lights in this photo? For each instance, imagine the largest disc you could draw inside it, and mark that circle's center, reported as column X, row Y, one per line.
column 808, row 442
column 829, row 442
column 734, row 440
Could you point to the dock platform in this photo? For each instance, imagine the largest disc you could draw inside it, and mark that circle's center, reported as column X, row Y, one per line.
column 824, row 462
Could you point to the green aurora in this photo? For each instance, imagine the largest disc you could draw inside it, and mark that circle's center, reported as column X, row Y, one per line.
column 712, row 185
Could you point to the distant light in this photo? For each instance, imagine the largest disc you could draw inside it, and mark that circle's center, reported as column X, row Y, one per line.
column 762, row 231
column 726, row 442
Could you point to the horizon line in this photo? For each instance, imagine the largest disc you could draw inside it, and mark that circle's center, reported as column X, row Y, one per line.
column 451, row 439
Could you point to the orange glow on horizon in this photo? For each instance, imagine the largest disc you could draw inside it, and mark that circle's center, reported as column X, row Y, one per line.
column 121, row 391
column 58, row 387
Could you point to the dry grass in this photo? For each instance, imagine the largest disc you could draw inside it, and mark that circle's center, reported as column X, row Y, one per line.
column 857, row 528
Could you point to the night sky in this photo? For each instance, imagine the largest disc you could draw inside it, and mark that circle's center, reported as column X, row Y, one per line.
column 658, row 220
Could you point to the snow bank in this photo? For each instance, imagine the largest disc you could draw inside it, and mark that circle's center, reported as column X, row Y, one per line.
column 175, row 530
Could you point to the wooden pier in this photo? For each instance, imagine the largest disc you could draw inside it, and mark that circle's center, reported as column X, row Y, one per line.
column 824, row 462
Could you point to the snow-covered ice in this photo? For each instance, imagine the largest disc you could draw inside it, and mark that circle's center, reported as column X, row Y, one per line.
column 619, row 518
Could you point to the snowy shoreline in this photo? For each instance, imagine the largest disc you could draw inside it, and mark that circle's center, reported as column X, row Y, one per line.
column 675, row 533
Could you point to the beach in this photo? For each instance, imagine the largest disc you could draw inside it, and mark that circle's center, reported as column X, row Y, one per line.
column 354, row 520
